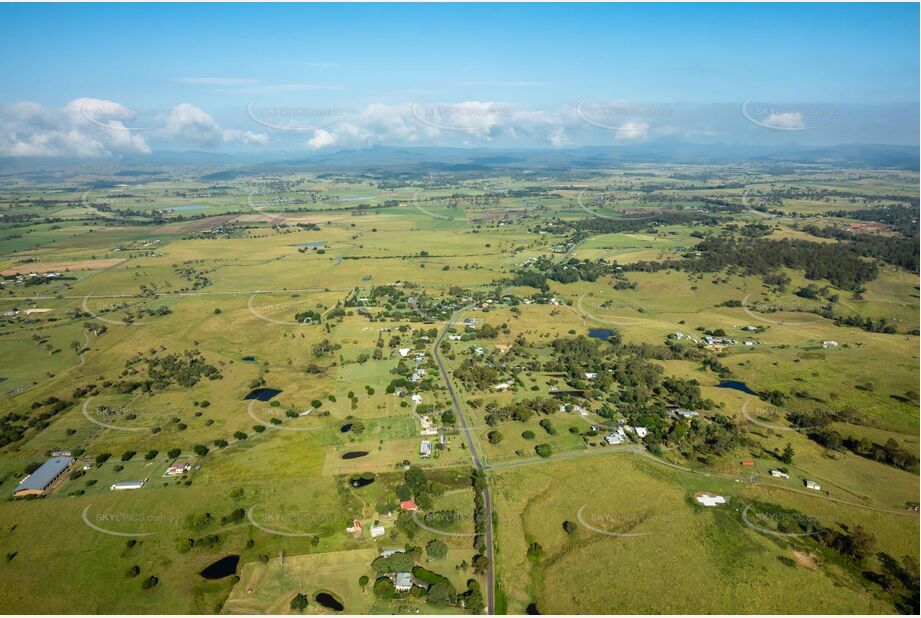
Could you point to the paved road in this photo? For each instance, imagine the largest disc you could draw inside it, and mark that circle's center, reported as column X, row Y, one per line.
column 471, row 446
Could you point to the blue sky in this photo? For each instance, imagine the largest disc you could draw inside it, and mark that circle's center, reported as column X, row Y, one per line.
column 278, row 77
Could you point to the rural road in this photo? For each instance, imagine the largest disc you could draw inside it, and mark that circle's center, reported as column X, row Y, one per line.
column 471, row 446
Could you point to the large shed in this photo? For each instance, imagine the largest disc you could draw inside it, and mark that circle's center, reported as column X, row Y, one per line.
column 39, row 481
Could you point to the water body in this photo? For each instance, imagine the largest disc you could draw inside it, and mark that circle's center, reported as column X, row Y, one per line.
column 600, row 333
column 354, row 454
column 346, row 428
column 321, row 243
column 360, row 481
column 248, row 359
column 189, row 207
column 329, row 601
column 262, row 394
column 356, row 199
column 736, row 385
column 532, row 609
column 224, row 567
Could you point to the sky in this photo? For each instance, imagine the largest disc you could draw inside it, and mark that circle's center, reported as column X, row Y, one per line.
column 105, row 80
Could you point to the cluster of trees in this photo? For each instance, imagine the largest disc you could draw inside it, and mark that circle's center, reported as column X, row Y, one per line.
column 838, row 263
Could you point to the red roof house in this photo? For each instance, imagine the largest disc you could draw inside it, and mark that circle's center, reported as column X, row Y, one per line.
column 408, row 505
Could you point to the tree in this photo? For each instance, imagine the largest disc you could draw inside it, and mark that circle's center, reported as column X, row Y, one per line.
column 150, row 582
column 363, row 582
column 494, row 437
column 473, row 601
column 787, row 455
column 436, row 549
column 383, row 588
column 201, row 450
column 441, row 594
column 543, row 450
column 299, row 602
column 174, row 453
column 480, row 564
column 570, row 527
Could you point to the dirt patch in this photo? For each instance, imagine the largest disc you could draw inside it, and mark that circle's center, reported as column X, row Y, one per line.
column 31, row 311
column 195, row 226
column 291, row 219
column 804, row 559
column 51, row 267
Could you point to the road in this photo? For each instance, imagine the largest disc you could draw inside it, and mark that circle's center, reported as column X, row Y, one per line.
column 471, row 446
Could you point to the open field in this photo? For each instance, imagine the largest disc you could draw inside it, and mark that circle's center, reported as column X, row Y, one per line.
column 276, row 333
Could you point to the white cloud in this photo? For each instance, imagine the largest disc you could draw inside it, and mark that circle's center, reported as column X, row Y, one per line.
column 83, row 128
column 321, row 139
column 785, row 120
column 217, row 81
column 189, row 123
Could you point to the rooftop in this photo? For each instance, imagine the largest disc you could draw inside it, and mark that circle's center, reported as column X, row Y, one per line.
column 45, row 475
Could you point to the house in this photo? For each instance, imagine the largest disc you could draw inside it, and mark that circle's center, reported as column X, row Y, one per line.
column 778, row 474
column 377, row 531
column 417, row 376
column 403, row 582
column 683, row 413
column 425, row 449
column 748, row 342
column 386, row 553
column 126, row 485
column 455, row 337
column 590, row 375
column 829, row 344
column 502, row 348
column 502, row 386
column 39, row 481
column 748, row 463
column 618, row 437
column 812, row 485
column 408, row 505
column 710, row 500
column 404, row 351
column 641, row 432
column 177, row 469
column 417, row 398
column 355, row 529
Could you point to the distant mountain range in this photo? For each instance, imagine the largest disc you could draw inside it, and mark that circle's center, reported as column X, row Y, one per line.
column 484, row 159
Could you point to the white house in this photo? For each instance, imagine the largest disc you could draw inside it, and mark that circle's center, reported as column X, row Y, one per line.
column 403, row 582
column 829, row 344
column 642, row 432
column 126, row 485
column 778, row 474
column 377, row 531
column 590, row 375
column 425, row 449
column 404, row 351
column 710, row 500
column 812, row 485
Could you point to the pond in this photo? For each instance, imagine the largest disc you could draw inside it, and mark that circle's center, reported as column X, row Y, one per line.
column 359, row 482
column 329, row 601
column 354, row 454
column 346, row 428
column 262, row 394
column 321, row 243
column 600, row 333
column 736, row 385
column 532, row 609
column 248, row 359
column 189, row 207
column 224, row 567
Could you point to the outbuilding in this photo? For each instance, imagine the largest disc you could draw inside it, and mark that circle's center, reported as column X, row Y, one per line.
column 37, row 483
